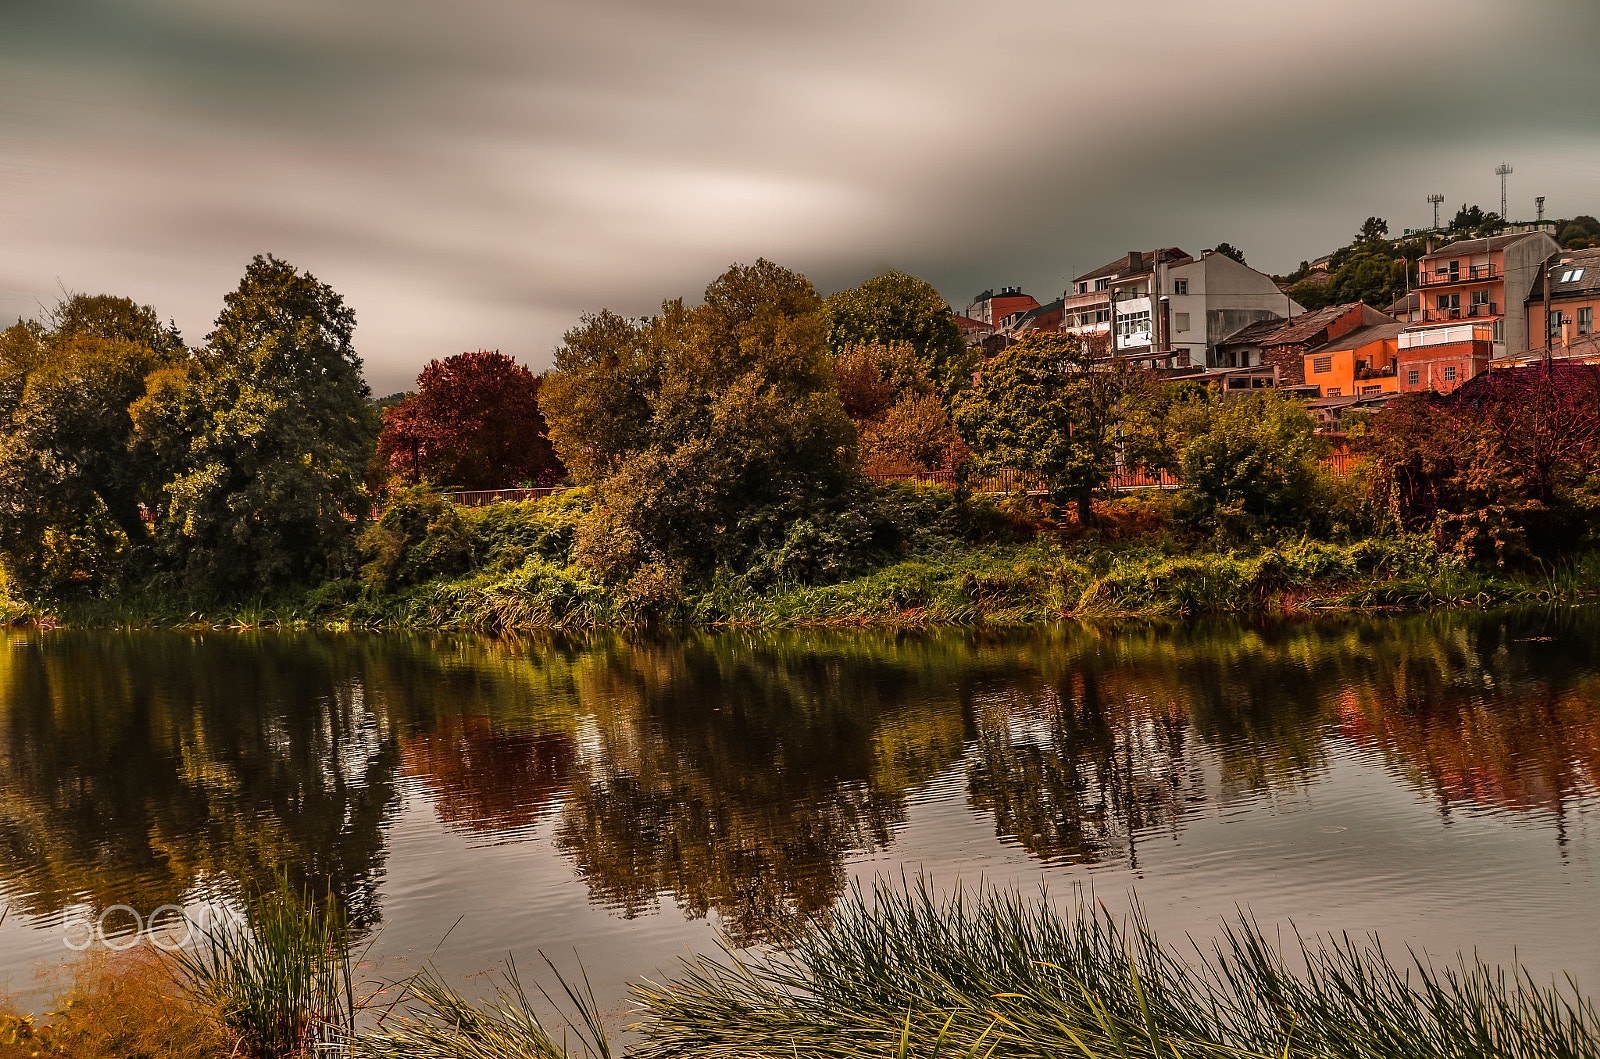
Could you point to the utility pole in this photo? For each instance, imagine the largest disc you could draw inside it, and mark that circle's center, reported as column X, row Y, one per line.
column 1503, row 170
column 1547, row 271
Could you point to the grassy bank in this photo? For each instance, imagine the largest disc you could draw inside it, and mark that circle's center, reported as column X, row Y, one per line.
column 513, row 567
column 895, row 971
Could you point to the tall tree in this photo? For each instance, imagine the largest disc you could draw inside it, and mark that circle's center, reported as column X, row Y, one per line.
column 1040, row 409
column 473, row 422
column 75, row 481
column 723, row 411
column 269, row 432
column 894, row 308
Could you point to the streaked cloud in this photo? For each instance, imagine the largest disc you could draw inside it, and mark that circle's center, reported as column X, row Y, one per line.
column 478, row 173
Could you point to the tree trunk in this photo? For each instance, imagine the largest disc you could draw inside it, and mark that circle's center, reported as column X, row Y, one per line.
column 1085, row 509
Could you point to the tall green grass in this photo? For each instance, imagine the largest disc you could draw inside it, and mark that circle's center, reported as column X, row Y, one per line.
column 442, row 1024
column 903, row 972
column 281, row 980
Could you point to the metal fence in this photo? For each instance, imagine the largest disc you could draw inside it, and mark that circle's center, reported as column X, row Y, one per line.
column 1007, row 482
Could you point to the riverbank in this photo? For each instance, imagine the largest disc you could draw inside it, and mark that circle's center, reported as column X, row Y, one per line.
column 511, row 567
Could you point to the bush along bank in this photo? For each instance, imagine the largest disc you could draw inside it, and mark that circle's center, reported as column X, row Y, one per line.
column 895, row 555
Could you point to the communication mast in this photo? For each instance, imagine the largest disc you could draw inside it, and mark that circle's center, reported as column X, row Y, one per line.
column 1538, row 204
column 1436, row 199
column 1503, row 170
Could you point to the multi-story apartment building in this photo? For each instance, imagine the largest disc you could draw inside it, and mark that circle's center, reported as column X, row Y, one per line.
column 991, row 308
column 1166, row 308
column 1485, row 281
column 1574, row 279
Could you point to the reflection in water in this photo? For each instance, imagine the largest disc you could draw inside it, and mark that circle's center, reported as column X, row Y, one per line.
column 739, row 774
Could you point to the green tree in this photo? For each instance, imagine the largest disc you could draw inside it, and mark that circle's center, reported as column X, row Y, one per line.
column 894, row 308
column 1374, row 232
column 269, row 432
column 1040, row 409
column 1253, row 469
column 725, row 430
column 73, row 474
column 1229, row 250
column 1466, row 219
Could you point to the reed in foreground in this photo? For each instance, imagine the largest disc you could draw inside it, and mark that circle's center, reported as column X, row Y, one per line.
column 279, row 982
column 904, row 972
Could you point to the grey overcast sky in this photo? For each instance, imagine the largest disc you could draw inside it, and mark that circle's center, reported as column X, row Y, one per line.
column 475, row 173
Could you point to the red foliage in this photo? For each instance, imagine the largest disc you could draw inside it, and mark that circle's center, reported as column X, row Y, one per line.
column 474, row 423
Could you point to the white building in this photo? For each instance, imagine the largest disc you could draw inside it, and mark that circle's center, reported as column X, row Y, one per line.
column 1168, row 309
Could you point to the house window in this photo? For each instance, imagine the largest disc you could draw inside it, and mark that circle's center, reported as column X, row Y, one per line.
column 1446, row 302
column 1571, row 275
column 1102, row 283
column 1133, row 324
column 1083, row 288
column 1321, row 365
column 1102, row 316
column 1371, row 389
column 1480, row 297
column 1180, row 286
column 1450, row 374
column 1334, row 391
column 1555, row 323
column 1500, row 330
column 1585, row 321
column 1180, row 321
column 1413, row 378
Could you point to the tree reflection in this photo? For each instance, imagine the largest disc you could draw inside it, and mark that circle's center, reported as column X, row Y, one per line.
column 738, row 775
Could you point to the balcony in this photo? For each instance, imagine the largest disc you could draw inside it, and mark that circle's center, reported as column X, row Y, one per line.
column 1475, row 311
column 1474, row 274
column 1095, row 299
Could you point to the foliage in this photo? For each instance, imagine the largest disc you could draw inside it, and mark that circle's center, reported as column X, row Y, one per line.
column 898, row 970
column 1229, row 250
column 1039, row 408
column 420, row 536
column 726, row 425
column 474, row 422
column 1579, row 232
column 441, row 1023
column 1499, row 471
column 1252, row 471
column 1156, row 420
column 119, row 1007
column 280, row 980
column 1374, row 231
column 73, row 472
column 888, row 395
column 267, row 435
column 895, row 308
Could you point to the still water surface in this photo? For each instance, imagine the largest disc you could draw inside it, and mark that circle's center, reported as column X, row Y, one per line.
column 625, row 799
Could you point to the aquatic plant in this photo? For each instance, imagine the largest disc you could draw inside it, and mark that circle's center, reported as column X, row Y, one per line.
column 440, row 1023
column 900, row 970
column 281, row 979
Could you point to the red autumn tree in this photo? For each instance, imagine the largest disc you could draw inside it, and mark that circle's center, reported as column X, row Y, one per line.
column 474, row 422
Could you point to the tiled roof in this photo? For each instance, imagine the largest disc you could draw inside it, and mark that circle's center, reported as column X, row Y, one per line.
column 1307, row 325
column 1253, row 333
column 1362, row 336
column 1120, row 265
column 1479, row 246
column 1586, row 282
column 1405, row 302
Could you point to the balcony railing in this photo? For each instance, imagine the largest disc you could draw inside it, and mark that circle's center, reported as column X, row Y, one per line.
column 1095, row 299
column 1475, row 311
column 1475, row 274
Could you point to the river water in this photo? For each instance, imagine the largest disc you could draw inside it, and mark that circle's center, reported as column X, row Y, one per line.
column 622, row 800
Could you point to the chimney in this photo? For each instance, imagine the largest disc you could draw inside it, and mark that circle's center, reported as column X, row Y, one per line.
column 1135, row 261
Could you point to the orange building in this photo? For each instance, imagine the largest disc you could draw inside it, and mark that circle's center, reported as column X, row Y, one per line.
column 1358, row 363
column 1442, row 358
column 1574, row 295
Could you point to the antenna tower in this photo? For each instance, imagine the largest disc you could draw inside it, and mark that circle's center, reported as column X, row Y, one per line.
column 1436, row 199
column 1502, row 171
column 1538, row 204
